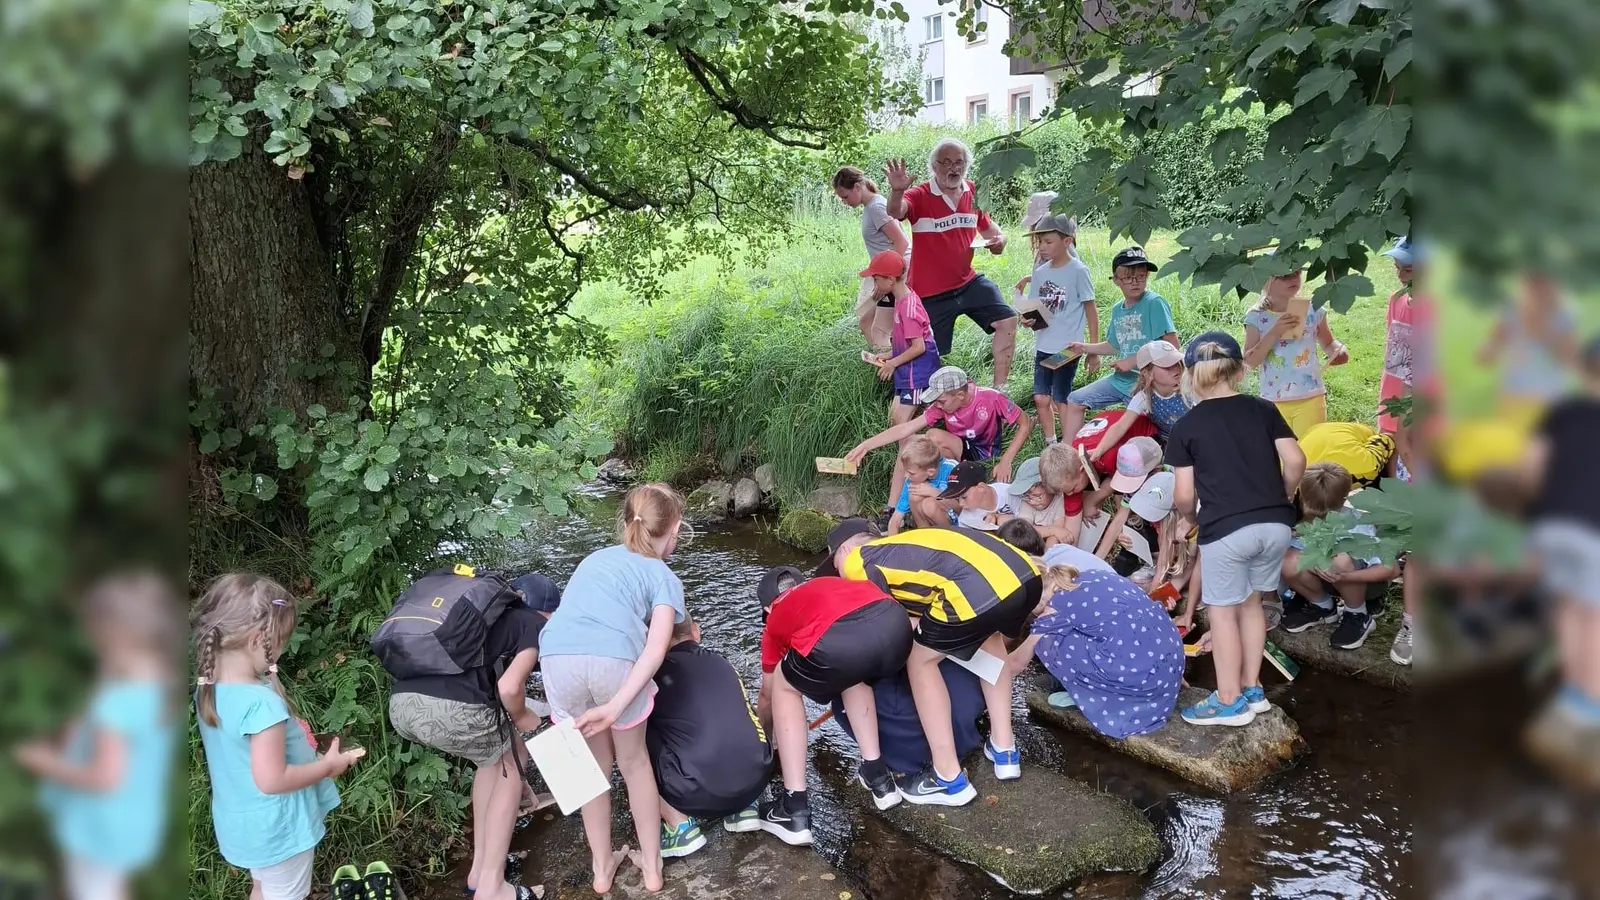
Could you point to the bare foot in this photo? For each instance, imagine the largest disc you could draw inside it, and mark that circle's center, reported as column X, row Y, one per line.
column 604, row 874
column 653, row 880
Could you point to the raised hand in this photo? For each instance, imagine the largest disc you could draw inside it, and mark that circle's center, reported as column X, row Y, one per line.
column 896, row 174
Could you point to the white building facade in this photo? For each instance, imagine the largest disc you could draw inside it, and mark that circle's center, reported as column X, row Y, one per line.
column 968, row 79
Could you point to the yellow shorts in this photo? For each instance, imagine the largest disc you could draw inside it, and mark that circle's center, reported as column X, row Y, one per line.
column 1302, row 415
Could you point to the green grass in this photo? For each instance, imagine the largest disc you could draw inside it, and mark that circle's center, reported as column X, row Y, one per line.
column 737, row 367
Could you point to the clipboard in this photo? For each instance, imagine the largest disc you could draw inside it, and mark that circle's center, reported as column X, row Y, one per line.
column 563, row 758
column 833, row 465
column 868, row 358
column 1057, row 360
column 1299, row 306
column 1088, row 468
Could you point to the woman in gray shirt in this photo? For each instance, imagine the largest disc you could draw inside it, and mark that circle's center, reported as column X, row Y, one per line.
column 879, row 232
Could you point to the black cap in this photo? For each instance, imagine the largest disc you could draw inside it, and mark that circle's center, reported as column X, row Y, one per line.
column 771, row 583
column 848, row 529
column 1131, row 256
column 965, row 475
column 1227, row 348
column 539, row 592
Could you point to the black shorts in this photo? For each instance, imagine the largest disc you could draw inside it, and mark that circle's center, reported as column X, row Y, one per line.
column 978, row 300
column 869, row 644
column 1008, row 617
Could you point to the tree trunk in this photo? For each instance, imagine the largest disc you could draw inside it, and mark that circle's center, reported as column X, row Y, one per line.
column 262, row 294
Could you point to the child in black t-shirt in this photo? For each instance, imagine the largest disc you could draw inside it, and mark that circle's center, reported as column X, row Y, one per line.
column 1236, row 467
column 1566, row 536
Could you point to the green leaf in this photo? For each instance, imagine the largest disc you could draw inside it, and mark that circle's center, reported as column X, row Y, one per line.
column 204, row 131
column 267, row 23
column 360, row 17
column 1398, row 59
column 555, row 504
column 1326, row 80
column 387, row 455
column 552, row 46
column 265, row 488
column 360, row 73
column 375, row 479
column 210, row 441
column 1342, row 293
column 316, row 411
column 1228, row 144
column 1380, row 128
column 1005, row 162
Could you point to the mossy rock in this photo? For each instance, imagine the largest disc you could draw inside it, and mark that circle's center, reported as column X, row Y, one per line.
column 1223, row 759
column 805, row 529
column 1036, row 833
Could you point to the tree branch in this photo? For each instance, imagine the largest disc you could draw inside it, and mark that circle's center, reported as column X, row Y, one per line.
column 703, row 71
column 630, row 200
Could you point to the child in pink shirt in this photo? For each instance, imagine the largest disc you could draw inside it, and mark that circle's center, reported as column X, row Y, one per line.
column 974, row 420
column 913, row 355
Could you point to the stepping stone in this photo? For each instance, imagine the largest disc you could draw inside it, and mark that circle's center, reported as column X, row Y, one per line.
column 1370, row 662
column 1034, row 834
column 1214, row 756
column 728, row 867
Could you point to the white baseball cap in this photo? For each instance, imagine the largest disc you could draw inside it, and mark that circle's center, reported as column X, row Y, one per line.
column 1136, row 459
column 1162, row 353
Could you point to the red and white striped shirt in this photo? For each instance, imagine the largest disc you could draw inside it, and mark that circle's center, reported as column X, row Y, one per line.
column 942, row 236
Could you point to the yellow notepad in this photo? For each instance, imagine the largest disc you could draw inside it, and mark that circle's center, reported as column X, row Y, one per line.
column 832, row 465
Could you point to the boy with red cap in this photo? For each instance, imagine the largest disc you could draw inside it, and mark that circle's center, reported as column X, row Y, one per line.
column 913, row 355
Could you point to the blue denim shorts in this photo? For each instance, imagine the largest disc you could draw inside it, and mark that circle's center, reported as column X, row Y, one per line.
column 1053, row 383
column 1098, row 394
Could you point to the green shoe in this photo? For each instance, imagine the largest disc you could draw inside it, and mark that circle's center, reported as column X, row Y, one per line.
column 347, row 884
column 681, row 841
column 381, row 884
column 747, row 819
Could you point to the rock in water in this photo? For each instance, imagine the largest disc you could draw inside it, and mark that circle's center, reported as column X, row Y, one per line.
column 615, row 470
column 710, row 501
column 838, row 500
column 1370, row 663
column 1223, row 759
column 805, row 529
column 766, row 478
column 746, row 498
column 1034, row 834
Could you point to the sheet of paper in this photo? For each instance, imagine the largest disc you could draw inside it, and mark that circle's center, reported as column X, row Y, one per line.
column 984, row 665
column 563, row 758
column 979, row 242
column 1300, row 306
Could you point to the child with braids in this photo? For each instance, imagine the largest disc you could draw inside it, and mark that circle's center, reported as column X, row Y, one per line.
column 269, row 789
column 600, row 652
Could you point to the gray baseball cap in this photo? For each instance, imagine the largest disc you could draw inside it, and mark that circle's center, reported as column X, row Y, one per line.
column 1060, row 224
column 943, row 381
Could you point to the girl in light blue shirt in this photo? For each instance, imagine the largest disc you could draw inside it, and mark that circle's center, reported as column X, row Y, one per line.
column 105, row 786
column 270, row 790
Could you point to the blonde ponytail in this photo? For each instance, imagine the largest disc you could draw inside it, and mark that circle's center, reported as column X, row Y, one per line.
column 1058, row 578
column 649, row 513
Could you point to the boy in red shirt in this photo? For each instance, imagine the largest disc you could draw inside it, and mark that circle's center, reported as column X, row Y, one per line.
column 946, row 225
column 826, row 638
column 973, row 418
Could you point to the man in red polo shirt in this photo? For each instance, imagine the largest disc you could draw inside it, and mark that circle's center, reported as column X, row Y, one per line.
column 825, row 638
column 945, row 223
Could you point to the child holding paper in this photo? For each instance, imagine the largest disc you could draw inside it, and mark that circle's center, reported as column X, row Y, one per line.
column 1061, row 286
column 601, row 648
column 1282, row 341
column 913, row 355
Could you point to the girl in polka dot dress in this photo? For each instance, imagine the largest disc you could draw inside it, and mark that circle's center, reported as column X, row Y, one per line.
column 1114, row 650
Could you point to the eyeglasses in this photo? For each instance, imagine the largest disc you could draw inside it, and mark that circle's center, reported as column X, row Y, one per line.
column 950, row 163
column 1141, row 275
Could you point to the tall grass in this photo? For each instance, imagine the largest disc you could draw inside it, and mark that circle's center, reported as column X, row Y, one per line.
column 744, row 366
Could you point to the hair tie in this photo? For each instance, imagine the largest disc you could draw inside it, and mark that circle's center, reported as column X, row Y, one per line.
column 202, row 682
column 272, row 668
column 279, row 601
column 638, row 518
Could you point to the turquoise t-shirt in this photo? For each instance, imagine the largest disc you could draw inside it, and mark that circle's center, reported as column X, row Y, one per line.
column 255, row 830
column 122, row 828
column 606, row 608
column 1131, row 327
column 940, row 481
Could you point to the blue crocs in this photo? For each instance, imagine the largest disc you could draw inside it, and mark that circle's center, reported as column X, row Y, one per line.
column 1212, row 711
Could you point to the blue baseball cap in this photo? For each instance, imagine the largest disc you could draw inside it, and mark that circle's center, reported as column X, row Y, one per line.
column 1227, row 344
column 539, row 592
column 1405, row 252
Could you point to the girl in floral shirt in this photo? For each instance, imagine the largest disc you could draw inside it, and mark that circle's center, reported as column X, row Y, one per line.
column 1291, row 376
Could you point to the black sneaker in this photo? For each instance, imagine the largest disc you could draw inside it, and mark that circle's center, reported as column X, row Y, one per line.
column 1303, row 614
column 381, row 883
column 926, row 788
column 1352, row 631
column 347, row 884
column 792, row 826
column 875, row 777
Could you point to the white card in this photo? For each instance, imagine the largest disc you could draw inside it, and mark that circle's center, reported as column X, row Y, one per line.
column 569, row 768
column 983, row 664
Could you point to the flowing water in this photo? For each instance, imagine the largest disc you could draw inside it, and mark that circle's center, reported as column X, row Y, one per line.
column 1338, row 825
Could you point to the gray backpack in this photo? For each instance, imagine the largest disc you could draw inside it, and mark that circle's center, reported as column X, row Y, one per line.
column 440, row 625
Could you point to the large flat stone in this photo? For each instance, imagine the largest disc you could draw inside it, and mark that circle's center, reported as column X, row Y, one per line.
column 1034, row 834
column 1223, row 759
column 729, row 867
column 1370, row 662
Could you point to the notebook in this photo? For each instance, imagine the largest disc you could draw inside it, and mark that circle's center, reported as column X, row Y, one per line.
column 563, row 758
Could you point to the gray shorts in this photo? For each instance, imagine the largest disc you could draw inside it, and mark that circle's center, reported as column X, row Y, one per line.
column 475, row 732
column 1569, row 555
column 576, row 684
column 1248, row 560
